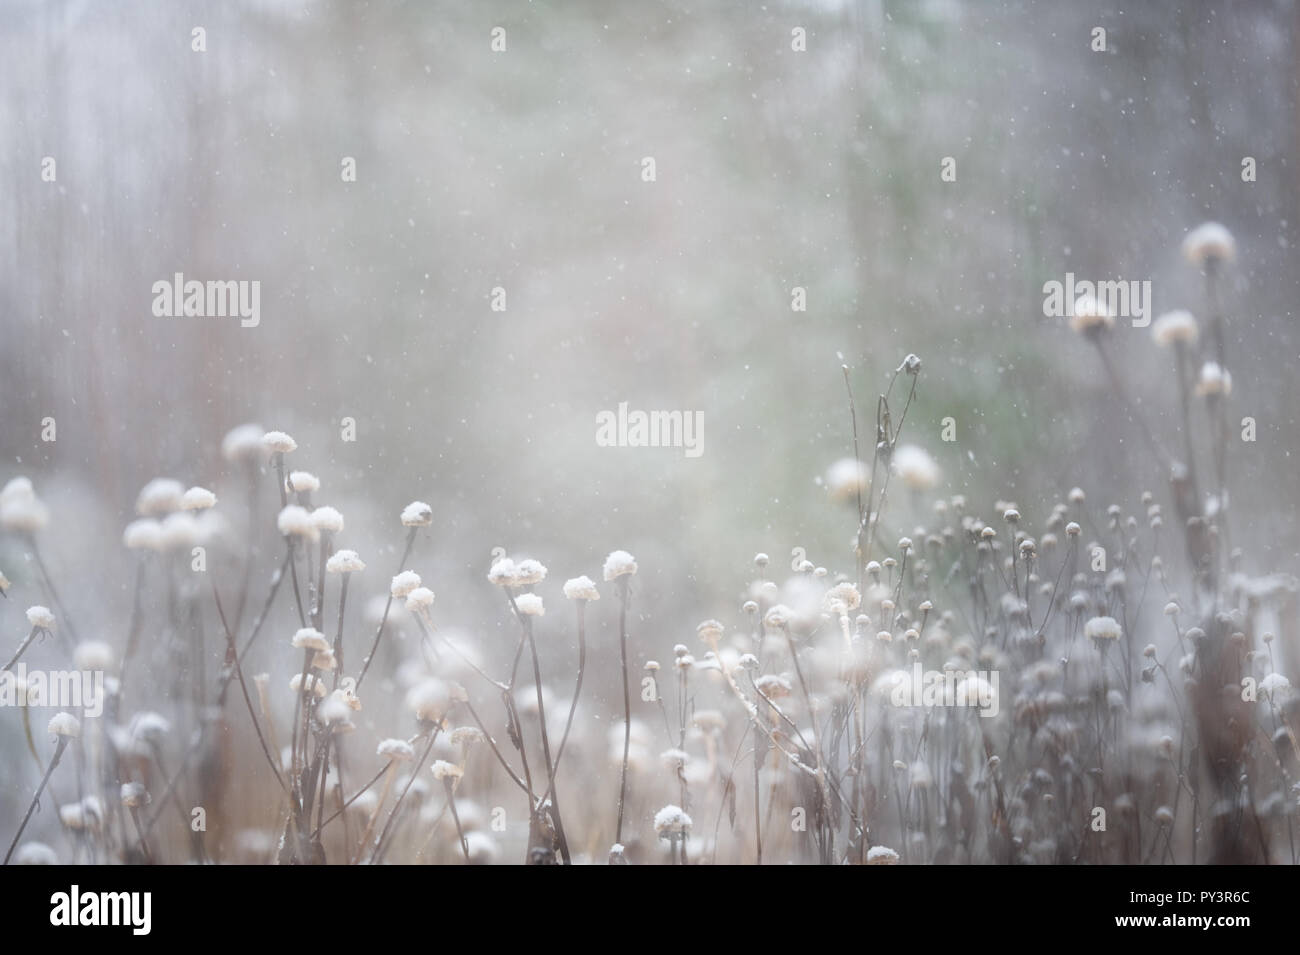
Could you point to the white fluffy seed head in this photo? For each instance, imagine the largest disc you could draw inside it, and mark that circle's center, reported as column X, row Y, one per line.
column 845, row 480
column 65, row 724
column 915, row 467
column 396, row 750
column 1214, row 380
column 581, row 588
column 134, row 795
column 1209, row 242
column 530, row 605
column 1091, row 315
column 1172, row 328
column 303, row 481
column 314, row 685
column 295, row 521
column 429, row 700
column 417, row 514
column 1103, row 628
column 309, row 638
column 92, row 655
column 198, row 499
column 180, row 531
column 279, row 442
column 421, row 598
column 327, row 520
column 243, row 442
column 41, row 617
column 529, row 572
column 35, row 853
column 881, row 855
column 159, row 496
column 672, row 821
column 502, row 572
column 618, row 564
column 444, row 770
column 144, row 533
column 344, row 562
column 404, row 583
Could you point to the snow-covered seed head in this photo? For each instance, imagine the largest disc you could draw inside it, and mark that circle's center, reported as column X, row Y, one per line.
column 529, row 572
column 777, row 616
column 347, row 696
column 20, row 509
column 149, row 727
column 467, row 735
column 502, row 572
column 671, row 822
column 42, row 618
column 618, row 564
column 429, row 700
column 1175, row 328
column 309, row 638
column 327, row 520
column 1149, row 651
column 846, row 479
column 914, row 465
column 344, row 562
column 303, row 482
column 417, row 514
column 1103, row 628
column 421, row 598
column 881, row 855
column 92, row 655
column 396, row 750
column 404, row 583
column 710, row 631
column 1091, row 316
column 1164, row 816
column 905, row 544
column 279, row 442
column 761, row 560
column 530, row 605
column 180, row 531
column 1011, row 515
column 243, row 442
column 1073, row 529
column 1209, row 243
column 134, row 795
column 198, row 499
column 581, row 588
column 1274, row 684
column 652, row 666
column 1214, row 380
column 64, row 725
column 749, row 606
column 315, row 686
column 35, row 853
column 159, row 496
column 295, row 521
column 446, row 771
column 773, row 686
column 324, row 660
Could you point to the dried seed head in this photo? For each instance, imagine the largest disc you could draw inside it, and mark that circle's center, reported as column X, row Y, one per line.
column 279, row 442
column 42, row 618
column 344, row 562
column 198, row 499
column 404, row 583
column 327, row 520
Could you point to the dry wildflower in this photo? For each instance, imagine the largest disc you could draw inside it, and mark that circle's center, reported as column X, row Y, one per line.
column 134, row 795
column 429, row 700
column 444, row 770
column 417, row 514
column 1091, row 317
column 847, row 479
column 1164, row 816
column 309, row 638
column 92, row 655
column 530, row 605
column 42, row 618
column 1209, row 243
column 1214, row 380
column 1273, row 685
column 881, row 855
column 421, row 598
column 1175, row 328
column 618, row 564
column 581, row 588
column 672, row 821
column 64, row 724
column 467, row 735
column 327, row 520
column 159, row 496
column 1103, row 628
column 295, row 521
column 35, row 853
column 180, row 531
column 243, row 442
column 777, row 616
column 529, row 573
column 773, row 686
column 404, row 583
column 502, row 572
column 396, row 750
column 198, row 499
column 344, row 562
column 149, row 727
column 143, row 534
column 279, row 442
column 303, row 482
column 710, row 631
column 315, row 686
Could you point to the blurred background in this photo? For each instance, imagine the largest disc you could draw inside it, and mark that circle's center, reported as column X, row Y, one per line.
column 522, row 169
